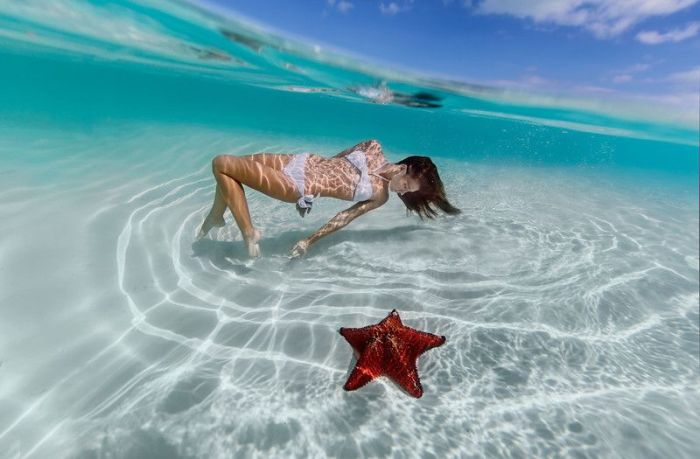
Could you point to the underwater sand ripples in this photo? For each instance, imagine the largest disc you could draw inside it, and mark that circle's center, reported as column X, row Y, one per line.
column 548, row 325
column 560, row 321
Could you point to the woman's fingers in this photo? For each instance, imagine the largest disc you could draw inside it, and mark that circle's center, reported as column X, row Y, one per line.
column 299, row 249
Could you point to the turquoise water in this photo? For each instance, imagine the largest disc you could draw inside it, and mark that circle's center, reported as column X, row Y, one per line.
column 567, row 288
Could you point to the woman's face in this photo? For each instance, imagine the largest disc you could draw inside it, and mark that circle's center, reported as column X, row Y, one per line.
column 403, row 183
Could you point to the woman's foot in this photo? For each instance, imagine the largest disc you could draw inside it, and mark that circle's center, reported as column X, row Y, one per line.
column 251, row 243
column 210, row 223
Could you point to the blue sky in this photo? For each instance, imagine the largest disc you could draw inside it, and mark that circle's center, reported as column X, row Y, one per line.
column 649, row 48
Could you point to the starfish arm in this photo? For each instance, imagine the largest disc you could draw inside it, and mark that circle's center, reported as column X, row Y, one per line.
column 401, row 368
column 391, row 321
column 367, row 368
column 359, row 337
column 419, row 341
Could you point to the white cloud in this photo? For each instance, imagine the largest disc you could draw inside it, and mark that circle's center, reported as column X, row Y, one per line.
column 623, row 78
column 341, row 5
column 603, row 18
column 637, row 68
column 344, row 6
column 593, row 89
column 627, row 74
column 685, row 80
column 528, row 82
column 392, row 8
column 652, row 37
column 689, row 77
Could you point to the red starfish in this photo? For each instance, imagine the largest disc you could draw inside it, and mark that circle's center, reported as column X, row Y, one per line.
column 389, row 348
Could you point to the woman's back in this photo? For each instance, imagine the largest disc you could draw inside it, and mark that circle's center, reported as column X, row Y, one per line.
column 338, row 177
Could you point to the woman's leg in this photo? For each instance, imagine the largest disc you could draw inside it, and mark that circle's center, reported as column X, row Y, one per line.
column 216, row 214
column 231, row 173
column 233, row 194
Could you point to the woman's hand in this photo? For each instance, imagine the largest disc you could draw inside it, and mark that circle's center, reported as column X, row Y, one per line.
column 299, row 250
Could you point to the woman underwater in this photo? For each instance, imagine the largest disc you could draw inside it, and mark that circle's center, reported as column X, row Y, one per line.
column 360, row 173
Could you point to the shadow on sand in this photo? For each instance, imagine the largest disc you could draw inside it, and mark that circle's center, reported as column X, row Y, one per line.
column 223, row 253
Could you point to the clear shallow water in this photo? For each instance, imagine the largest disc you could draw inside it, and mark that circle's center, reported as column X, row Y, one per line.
column 567, row 288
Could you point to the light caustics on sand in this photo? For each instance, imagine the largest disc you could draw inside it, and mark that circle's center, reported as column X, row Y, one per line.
column 548, row 329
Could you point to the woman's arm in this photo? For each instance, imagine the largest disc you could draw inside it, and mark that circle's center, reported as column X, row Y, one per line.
column 337, row 222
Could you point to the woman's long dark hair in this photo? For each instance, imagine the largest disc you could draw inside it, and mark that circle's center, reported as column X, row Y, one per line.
column 431, row 191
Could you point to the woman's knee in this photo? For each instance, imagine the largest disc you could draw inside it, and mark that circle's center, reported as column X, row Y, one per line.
column 222, row 164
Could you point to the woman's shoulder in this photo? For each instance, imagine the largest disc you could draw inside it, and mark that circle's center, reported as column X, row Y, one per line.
column 374, row 154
